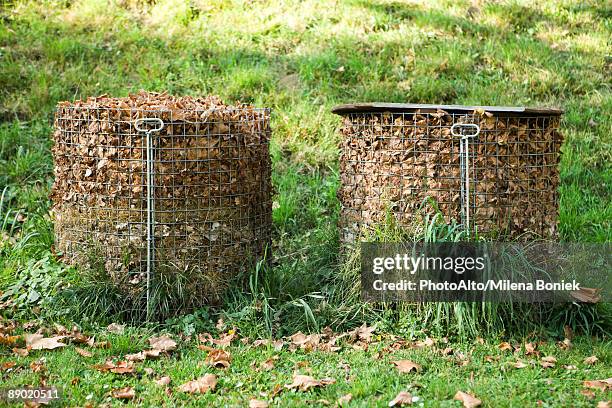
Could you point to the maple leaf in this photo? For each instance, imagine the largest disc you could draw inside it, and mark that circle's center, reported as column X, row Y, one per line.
column 530, row 349
column 162, row 343
column 403, row 398
column 39, row 342
column 123, row 393
column 306, row 382
column 201, row 385
column 406, row 366
column 468, row 400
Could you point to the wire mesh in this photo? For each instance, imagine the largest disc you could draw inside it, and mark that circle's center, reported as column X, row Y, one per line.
column 210, row 191
column 398, row 163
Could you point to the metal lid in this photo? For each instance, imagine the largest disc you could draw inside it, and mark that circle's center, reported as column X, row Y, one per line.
column 412, row 107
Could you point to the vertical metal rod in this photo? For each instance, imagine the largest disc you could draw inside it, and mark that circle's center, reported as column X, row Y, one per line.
column 150, row 160
column 464, row 164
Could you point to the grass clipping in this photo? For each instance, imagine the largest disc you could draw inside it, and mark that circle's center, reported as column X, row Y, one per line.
column 393, row 163
column 212, row 190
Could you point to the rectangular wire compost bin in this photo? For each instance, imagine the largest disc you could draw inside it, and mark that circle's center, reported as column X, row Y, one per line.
column 492, row 169
column 169, row 199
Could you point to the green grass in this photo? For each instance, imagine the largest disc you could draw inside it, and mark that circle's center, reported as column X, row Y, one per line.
column 301, row 58
column 371, row 378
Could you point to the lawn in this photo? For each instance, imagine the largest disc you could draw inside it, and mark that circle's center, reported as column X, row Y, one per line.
column 301, row 58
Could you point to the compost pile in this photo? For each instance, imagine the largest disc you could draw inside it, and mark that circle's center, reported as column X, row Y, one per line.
column 393, row 163
column 211, row 188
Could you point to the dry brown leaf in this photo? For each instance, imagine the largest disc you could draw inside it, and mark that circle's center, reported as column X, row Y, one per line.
column 586, row 295
column 7, row 340
column 345, row 399
column 590, row 394
column 21, row 352
column 121, row 367
column 83, row 352
column 570, row 367
column 162, row 343
column 255, row 403
column 163, row 381
column 468, row 400
column 519, row 364
column 604, row 404
column 566, row 344
column 403, row 398
column 363, row 333
column 548, row 362
column 218, row 358
column 268, row 364
column 530, row 349
column 115, row 328
column 591, row 360
column 39, row 342
column 306, row 382
column 505, row 346
column 406, row 366
column 600, row 385
column 7, row 365
column 143, row 355
column 38, row 366
column 123, row 393
column 428, row 342
column 200, row 386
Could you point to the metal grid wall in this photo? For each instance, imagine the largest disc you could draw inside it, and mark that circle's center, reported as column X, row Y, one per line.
column 392, row 162
column 211, row 196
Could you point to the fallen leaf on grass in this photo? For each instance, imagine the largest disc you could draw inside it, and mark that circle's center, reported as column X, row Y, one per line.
column 7, row 365
column 548, row 362
column 123, row 393
column 37, row 366
column 530, row 349
column 403, row 398
column 468, row 400
column 143, row 355
column 255, row 403
column 363, row 333
column 7, row 340
column 345, row 399
column 570, row 367
column 428, row 342
column 39, row 342
column 269, row 364
column 21, row 352
column 201, row 385
column 591, row 360
column 600, row 385
column 162, row 343
column 406, row 366
column 121, row 367
column 590, row 394
column 566, row 344
column 218, row 358
column 115, row 328
column 306, row 382
column 83, row 352
column 604, row 404
column 505, row 346
column 163, row 381
column 519, row 364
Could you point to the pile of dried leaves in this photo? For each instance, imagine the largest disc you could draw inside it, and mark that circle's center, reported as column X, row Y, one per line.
column 212, row 187
column 391, row 162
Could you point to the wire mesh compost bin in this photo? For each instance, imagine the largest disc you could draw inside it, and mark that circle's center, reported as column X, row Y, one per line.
column 493, row 169
column 168, row 196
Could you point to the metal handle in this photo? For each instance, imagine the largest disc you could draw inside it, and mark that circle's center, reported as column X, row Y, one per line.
column 149, row 121
column 464, row 152
column 142, row 125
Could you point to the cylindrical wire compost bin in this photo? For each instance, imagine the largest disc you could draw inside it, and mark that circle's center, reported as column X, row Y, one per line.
column 492, row 169
column 169, row 198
